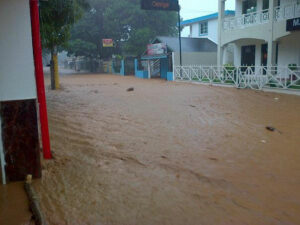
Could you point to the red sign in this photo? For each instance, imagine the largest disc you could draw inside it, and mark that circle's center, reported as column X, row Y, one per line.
column 169, row 5
column 157, row 49
column 108, row 43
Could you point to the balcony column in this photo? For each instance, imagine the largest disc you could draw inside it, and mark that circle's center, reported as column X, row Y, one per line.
column 271, row 43
column 220, row 30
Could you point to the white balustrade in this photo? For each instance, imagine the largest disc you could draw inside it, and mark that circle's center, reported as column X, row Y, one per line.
column 260, row 17
column 257, row 77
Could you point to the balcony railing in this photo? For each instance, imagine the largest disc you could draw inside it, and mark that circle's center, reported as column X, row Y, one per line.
column 287, row 12
column 261, row 17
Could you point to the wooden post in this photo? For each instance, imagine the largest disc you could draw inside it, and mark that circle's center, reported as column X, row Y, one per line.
column 34, row 202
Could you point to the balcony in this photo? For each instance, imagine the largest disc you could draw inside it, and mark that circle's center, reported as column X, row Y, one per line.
column 262, row 17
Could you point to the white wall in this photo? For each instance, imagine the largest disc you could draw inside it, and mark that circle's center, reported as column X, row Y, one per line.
column 195, row 30
column 17, row 79
column 238, row 8
column 287, row 2
column 289, row 50
column 212, row 30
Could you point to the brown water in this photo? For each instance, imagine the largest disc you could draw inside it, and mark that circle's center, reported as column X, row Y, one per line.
column 14, row 206
column 170, row 154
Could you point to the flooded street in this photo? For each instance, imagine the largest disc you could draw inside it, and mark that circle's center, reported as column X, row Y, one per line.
column 170, row 153
column 14, row 205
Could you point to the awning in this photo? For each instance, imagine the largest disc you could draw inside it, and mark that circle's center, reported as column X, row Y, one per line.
column 150, row 57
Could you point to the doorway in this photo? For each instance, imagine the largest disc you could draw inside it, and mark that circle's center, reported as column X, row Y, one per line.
column 248, row 56
column 264, row 56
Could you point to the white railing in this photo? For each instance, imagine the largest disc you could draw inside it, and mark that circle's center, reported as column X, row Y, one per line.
column 242, row 77
column 246, row 20
column 260, row 17
column 287, row 12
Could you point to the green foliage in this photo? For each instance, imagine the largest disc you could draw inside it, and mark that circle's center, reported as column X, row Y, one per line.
column 292, row 66
column 229, row 67
column 79, row 47
column 57, row 18
column 123, row 21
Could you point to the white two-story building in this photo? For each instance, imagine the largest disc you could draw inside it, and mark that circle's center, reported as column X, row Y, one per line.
column 262, row 33
column 205, row 26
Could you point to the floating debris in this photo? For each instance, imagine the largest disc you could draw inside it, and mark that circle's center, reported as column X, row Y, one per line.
column 270, row 128
column 130, row 89
column 213, row 159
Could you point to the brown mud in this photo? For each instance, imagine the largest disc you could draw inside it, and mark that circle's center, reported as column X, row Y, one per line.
column 170, row 154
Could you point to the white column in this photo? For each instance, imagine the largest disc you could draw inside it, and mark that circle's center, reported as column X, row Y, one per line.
column 2, row 159
column 259, row 5
column 173, row 63
column 149, row 70
column 237, row 55
column 271, row 43
column 220, row 30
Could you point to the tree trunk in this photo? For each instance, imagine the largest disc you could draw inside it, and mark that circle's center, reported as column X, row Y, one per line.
column 54, row 70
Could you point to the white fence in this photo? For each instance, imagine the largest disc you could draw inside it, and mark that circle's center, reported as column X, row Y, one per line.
column 242, row 77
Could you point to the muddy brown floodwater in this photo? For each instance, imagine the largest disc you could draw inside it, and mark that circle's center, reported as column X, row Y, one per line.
column 170, row 154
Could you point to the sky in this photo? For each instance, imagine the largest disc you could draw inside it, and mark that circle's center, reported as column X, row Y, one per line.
column 196, row 8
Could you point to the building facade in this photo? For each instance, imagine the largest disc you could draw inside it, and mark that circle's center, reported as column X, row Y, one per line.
column 262, row 33
column 19, row 66
column 205, row 26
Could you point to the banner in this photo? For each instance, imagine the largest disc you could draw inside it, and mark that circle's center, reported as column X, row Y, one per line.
column 108, row 43
column 157, row 49
column 293, row 24
column 167, row 5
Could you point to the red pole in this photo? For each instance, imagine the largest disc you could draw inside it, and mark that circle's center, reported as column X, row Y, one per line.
column 39, row 76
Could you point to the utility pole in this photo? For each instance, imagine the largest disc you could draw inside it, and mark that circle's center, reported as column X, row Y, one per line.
column 179, row 36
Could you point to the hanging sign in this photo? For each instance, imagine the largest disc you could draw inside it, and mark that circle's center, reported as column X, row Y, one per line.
column 166, row 5
column 293, row 24
column 157, row 49
column 108, row 43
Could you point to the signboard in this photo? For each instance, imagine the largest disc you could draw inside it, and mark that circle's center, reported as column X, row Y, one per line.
column 108, row 43
column 157, row 49
column 293, row 24
column 167, row 5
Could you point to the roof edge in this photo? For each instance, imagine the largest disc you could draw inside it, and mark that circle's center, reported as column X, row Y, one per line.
column 207, row 17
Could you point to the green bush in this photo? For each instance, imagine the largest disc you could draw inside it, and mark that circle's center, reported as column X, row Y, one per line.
column 229, row 67
column 292, row 66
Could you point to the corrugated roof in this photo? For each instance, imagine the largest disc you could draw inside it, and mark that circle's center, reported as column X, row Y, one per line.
column 207, row 17
column 188, row 44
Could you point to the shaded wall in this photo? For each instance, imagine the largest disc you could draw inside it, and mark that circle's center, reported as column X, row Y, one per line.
column 196, row 58
column 20, row 139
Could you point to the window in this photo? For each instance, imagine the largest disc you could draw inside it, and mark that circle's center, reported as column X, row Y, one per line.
column 265, row 4
column 249, row 6
column 203, row 28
